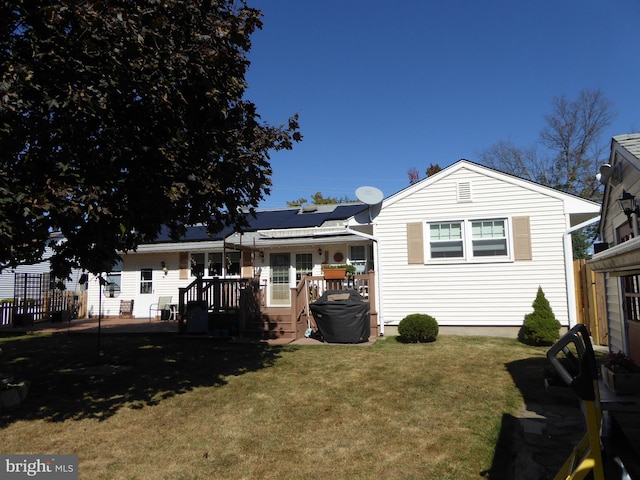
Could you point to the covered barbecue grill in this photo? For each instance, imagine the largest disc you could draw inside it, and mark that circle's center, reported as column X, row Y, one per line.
column 342, row 316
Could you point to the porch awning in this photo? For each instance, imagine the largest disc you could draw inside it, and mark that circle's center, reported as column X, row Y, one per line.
column 255, row 240
column 623, row 259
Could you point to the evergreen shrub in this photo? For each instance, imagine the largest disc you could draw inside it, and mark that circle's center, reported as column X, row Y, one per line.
column 418, row 328
column 540, row 327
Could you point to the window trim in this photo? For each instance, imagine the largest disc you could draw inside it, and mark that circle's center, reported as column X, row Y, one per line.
column 467, row 241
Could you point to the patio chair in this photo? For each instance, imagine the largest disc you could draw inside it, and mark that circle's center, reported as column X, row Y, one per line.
column 126, row 308
column 164, row 303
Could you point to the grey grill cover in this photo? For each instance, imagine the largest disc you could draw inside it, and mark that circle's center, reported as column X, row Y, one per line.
column 342, row 316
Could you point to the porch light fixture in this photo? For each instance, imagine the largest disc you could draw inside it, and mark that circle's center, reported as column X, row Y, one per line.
column 320, row 252
column 164, row 267
column 629, row 206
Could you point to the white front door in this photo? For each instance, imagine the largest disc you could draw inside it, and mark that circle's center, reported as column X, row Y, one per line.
column 145, row 297
column 280, row 281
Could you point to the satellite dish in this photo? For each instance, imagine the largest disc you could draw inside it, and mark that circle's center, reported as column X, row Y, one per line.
column 606, row 171
column 369, row 195
column 373, row 197
column 609, row 173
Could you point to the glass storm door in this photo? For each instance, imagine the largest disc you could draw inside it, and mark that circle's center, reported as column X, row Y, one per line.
column 280, row 288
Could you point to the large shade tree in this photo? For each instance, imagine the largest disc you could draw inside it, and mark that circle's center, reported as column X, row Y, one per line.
column 568, row 155
column 570, row 148
column 119, row 117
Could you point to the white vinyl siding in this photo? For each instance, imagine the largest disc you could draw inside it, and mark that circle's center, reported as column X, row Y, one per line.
column 485, row 291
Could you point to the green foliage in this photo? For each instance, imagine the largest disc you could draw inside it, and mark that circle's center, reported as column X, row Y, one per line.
column 540, row 327
column 119, row 118
column 418, row 327
column 319, row 199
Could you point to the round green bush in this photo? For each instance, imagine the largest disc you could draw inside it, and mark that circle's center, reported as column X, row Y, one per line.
column 418, row 327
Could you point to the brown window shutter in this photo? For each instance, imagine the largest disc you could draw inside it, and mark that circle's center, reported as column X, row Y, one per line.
column 415, row 245
column 184, row 265
column 522, row 238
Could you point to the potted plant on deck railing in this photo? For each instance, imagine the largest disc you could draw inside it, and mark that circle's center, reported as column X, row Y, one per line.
column 337, row 272
column 621, row 374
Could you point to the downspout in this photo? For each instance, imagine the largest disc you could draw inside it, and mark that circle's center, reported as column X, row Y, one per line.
column 568, row 268
column 377, row 273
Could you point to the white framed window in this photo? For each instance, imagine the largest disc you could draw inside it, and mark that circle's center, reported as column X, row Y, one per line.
column 197, row 264
column 469, row 240
column 114, row 280
column 146, row 280
column 304, row 265
column 215, row 264
column 489, row 238
column 232, row 263
column 358, row 258
column 446, row 240
column 212, row 264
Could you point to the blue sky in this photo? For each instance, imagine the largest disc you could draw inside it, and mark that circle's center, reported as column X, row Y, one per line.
column 383, row 86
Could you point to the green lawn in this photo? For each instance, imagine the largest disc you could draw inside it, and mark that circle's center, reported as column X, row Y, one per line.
column 166, row 407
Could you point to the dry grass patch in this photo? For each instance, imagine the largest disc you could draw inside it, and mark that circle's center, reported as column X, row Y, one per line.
column 194, row 408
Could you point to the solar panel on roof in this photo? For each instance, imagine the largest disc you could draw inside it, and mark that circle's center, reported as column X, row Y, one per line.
column 270, row 220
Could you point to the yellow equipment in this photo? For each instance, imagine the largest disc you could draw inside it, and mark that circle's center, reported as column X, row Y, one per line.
column 577, row 356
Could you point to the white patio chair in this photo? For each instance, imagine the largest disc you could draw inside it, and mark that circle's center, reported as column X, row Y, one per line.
column 163, row 304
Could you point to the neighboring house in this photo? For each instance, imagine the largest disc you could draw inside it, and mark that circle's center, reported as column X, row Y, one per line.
column 34, row 282
column 619, row 255
column 468, row 245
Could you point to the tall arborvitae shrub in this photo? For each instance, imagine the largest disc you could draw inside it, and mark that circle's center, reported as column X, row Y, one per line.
column 540, row 327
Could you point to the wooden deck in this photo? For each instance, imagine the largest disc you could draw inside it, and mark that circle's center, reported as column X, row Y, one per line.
column 238, row 307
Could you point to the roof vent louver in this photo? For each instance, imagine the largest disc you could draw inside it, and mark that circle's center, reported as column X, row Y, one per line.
column 464, row 191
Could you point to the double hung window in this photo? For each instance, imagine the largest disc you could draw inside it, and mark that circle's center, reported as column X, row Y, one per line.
column 489, row 238
column 446, row 240
column 469, row 239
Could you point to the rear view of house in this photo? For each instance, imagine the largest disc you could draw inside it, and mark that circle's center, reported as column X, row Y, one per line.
column 470, row 246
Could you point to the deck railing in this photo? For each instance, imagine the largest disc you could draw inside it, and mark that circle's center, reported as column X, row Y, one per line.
column 218, row 294
column 247, row 298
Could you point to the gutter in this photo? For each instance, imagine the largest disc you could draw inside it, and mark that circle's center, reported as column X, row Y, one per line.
column 568, row 268
column 379, row 306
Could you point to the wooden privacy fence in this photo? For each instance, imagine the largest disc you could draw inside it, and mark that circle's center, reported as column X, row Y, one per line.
column 591, row 302
column 44, row 308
